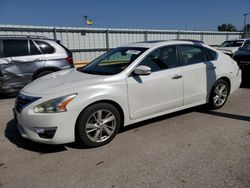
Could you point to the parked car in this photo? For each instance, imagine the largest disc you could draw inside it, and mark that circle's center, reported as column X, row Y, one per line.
column 242, row 56
column 126, row 85
column 229, row 47
column 26, row 58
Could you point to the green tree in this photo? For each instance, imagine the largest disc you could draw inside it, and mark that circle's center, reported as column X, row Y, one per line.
column 247, row 27
column 226, row 27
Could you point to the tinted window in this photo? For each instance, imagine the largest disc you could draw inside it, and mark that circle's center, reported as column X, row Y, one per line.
column 45, row 47
column 246, row 46
column 193, row 54
column 33, row 49
column 161, row 59
column 12, row 48
column 233, row 43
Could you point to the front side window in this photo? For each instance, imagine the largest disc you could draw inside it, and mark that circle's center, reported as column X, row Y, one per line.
column 114, row 61
column 45, row 47
column 13, row 48
column 163, row 58
column 193, row 54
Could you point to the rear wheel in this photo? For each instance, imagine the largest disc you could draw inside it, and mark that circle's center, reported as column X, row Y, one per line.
column 98, row 124
column 43, row 73
column 219, row 94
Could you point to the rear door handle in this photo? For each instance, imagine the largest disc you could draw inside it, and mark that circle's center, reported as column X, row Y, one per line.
column 177, row 76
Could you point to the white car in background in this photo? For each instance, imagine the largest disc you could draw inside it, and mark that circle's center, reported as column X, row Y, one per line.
column 124, row 86
column 229, row 47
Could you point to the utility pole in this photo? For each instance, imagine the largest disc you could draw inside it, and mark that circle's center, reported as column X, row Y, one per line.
column 245, row 20
column 66, row 17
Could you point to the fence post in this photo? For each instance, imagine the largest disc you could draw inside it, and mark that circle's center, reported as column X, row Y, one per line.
column 178, row 34
column 227, row 37
column 202, row 36
column 146, row 35
column 107, row 39
column 54, row 33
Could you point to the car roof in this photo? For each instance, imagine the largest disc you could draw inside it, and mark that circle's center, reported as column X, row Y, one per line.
column 24, row 37
column 238, row 39
column 158, row 43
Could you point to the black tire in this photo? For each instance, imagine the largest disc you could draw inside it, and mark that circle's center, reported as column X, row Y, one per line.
column 43, row 73
column 213, row 104
column 88, row 115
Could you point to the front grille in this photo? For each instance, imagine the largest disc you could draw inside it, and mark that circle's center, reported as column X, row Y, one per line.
column 22, row 101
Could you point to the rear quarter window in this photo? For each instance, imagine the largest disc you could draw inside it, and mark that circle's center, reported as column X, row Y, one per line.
column 45, row 47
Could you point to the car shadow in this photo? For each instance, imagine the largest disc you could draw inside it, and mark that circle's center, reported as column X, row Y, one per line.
column 227, row 115
column 12, row 134
column 157, row 119
column 7, row 96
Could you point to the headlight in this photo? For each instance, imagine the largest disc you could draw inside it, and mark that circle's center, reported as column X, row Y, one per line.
column 55, row 105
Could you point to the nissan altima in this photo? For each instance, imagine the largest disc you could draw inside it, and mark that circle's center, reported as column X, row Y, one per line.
column 125, row 85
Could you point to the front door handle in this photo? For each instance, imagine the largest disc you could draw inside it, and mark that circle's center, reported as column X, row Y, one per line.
column 177, row 76
column 211, row 68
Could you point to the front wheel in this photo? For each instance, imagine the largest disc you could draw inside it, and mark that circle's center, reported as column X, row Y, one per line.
column 98, row 124
column 219, row 94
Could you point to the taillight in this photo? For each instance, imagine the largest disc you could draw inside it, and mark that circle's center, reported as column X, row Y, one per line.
column 69, row 60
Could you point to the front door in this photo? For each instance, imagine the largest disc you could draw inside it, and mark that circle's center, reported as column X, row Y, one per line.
column 161, row 90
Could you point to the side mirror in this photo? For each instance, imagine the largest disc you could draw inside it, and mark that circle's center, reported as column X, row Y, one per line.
column 142, row 70
column 240, row 48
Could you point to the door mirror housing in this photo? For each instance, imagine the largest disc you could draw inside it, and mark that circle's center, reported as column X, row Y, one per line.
column 142, row 70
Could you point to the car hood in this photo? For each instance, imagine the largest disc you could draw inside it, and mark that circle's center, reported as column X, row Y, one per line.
column 70, row 79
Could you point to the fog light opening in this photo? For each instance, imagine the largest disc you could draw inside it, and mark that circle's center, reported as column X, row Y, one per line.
column 44, row 132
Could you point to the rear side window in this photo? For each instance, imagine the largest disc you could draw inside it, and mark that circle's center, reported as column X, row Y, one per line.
column 190, row 54
column 45, row 47
column 33, row 49
column 13, row 48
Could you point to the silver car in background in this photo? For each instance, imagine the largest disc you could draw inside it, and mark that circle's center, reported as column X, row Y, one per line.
column 26, row 58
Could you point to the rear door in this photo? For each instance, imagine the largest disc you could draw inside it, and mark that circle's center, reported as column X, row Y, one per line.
column 25, row 58
column 199, row 72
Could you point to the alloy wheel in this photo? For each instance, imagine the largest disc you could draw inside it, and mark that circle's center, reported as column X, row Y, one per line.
column 100, row 126
column 220, row 94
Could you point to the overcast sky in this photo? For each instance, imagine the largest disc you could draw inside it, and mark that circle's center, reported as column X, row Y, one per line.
column 155, row 14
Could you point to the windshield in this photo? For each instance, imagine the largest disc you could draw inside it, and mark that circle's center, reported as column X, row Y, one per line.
column 233, row 43
column 113, row 61
column 246, row 46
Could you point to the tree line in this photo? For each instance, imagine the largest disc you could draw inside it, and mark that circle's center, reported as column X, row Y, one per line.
column 231, row 27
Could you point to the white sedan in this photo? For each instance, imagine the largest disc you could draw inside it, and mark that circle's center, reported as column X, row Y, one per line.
column 126, row 85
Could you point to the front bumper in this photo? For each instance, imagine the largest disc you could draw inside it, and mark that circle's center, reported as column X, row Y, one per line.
column 63, row 123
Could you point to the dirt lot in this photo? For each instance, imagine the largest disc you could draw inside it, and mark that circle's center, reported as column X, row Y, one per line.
column 192, row 148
